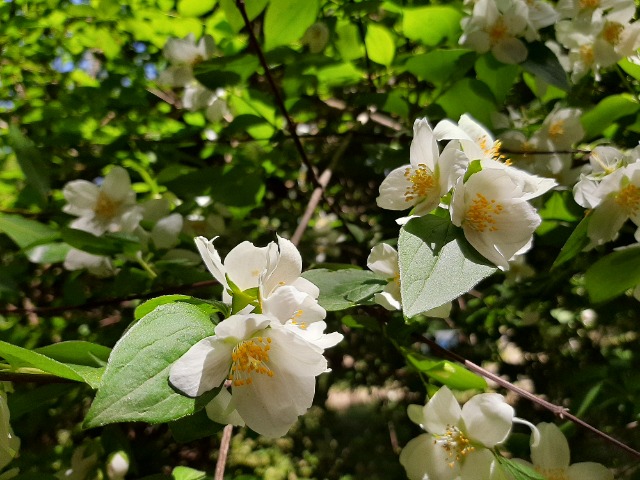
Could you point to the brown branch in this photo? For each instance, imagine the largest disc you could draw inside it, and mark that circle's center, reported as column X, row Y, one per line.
column 223, row 452
column 291, row 125
column 559, row 411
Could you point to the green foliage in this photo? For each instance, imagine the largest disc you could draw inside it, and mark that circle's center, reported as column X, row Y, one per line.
column 613, row 274
column 342, row 289
column 436, row 264
column 136, row 381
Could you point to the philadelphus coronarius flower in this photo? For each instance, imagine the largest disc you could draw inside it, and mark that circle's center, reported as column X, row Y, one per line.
column 270, row 350
column 426, row 179
column 110, row 207
column 458, row 441
column 551, row 458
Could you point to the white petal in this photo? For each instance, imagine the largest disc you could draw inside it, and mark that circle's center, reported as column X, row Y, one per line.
column 383, row 260
column 241, row 326
column 245, row 263
column 441, row 411
column 589, row 471
column 286, row 269
column 212, row 259
column 448, row 130
column 488, row 418
column 552, row 451
column 222, row 409
column 414, row 458
column 606, row 221
column 424, row 148
column 477, row 465
column 204, row 367
column 510, row 50
column 117, row 186
column 165, row 233
column 388, row 301
column 416, row 414
column 393, row 190
column 81, row 197
column 306, row 286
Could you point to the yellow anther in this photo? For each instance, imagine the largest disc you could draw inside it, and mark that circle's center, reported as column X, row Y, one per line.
column 422, row 181
column 250, row 357
column 629, row 199
column 481, row 215
column 498, row 31
column 556, row 128
column 105, row 207
column 612, row 31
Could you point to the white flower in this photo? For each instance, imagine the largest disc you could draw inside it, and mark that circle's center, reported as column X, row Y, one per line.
column 196, row 97
column 117, row 465
column 492, row 210
column 617, row 199
column 428, row 177
column 491, row 29
column 458, row 440
column 272, row 371
column 248, row 266
column 603, row 161
column 299, row 312
column 183, row 54
column 478, row 144
column 9, row 443
column 110, row 207
column 166, row 231
column 560, row 130
column 551, row 458
column 97, row 265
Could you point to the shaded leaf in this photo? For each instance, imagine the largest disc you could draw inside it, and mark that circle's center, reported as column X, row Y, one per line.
column 542, row 62
column 341, row 289
column 613, row 274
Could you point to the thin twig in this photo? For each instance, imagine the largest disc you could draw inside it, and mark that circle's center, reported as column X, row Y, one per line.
column 291, row 125
column 223, row 452
column 317, row 193
column 561, row 412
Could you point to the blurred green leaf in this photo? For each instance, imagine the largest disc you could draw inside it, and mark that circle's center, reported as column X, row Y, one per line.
column 499, row 77
column 542, row 62
column 440, row 66
column 195, row 8
column 576, row 242
column 30, row 161
column 613, row 274
column 448, row 373
column 286, row 21
column 26, row 232
column 254, row 8
column 469, row 96
column 20, row 357
column 348, row 41
column 610, row 109
column 380, row 44
column 432, row 24
column 342, row 289
column 194, row 427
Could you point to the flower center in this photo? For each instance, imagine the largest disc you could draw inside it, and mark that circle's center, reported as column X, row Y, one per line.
column 454, row 443
column 481, row 215
column 249, row 357
column 493, row 152
column 294, row 319
column 105, row 207
column 629, row 199
column 553, row 473
column 422, row 181
column 586, row 54
column 584, row 4
column 556, row 129
column 396, row 278
column 498, row 31
column 612, row 31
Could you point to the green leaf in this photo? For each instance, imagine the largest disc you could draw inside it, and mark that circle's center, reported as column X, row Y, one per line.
column 31, row 164
column 381, row 46
column 576, row 242
column 517, row 470
column 194, row 427
column 195, row 8
column 432, row 24
column 440, row 66
column 631, row 68
column 135, row 385
column 225, row 71
column 110, row 244
column 611, row 108
column 186, row 473
column 25, row 232
column 20, row 357
column 448, row 373
column 542, row 62
column 498, row 76
column 348, row 41
column 22, row 402
column 207, row 306
column 286, row 21
column 613, row 274
column 77, row 352
column 437, row 264
column 343, row 289
column 48, row 253
column 469, row 96
column 231, row 12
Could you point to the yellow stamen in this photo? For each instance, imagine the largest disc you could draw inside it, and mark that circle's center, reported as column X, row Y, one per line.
column 422, row 181
column 587, row 55
column 585, row 4
column 498, row 31
column 455, row 444
column 105, row 207
column 556, row 129
column 250, row 357
column 629, row 199
column 611, row 32
column 553, row 473
column 481, row 215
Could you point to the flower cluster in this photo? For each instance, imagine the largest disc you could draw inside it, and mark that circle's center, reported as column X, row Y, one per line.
column 460, row 443
column 486, row 197
column 183, row 54
column 269, row 351
column 498, row 26
column 595, row 34
column 612, row 190
column 110, row 206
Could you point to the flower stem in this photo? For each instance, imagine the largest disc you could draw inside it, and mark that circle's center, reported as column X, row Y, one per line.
column 223, row 452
